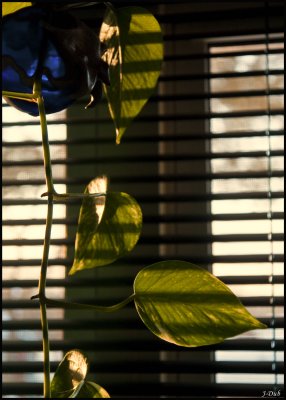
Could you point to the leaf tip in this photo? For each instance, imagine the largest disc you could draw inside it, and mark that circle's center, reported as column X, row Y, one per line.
column 118, row 137
column 256, row 324
column 262, row 326
column 73, row 270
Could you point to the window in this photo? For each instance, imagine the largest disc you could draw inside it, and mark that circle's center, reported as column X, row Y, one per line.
column 204, row 160
column 247, row 150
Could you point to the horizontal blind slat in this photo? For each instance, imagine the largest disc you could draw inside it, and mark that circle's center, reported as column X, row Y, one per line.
column 89, row 324
column 152, row 178
column 167, row 389
column 241, row 280
column 173, row 367
column 197, row 56
column 166, row 198
column 206, row 96
column 219, row 75
column 161, row 239
column 130, row 345
column 160, row 219
column 218, row 15
column 228, row 54
column 28, row 304
column 131, row 261
column 146, row 159
column 220, row 33
column 147, row 138
column 155, row 118
column 244, row 41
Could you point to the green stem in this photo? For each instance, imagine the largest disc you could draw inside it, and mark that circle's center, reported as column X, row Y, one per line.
column 21, row 96
column 46, row 350
column 45, row 139
column 42, row 293
column 62, row 196
column 108, row 309
column 45, row 258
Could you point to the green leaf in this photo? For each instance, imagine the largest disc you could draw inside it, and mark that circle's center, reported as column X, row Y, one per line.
column 69, row 379
column 109, row 233
column 134, row 43
column 11, row 7
column 91, row 390
column 70, row 375
column 186, row 305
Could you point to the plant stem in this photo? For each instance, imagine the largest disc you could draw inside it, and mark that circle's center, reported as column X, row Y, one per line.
column 105, row 309
column 45, row 139
column 45, row 258
column 42, row 293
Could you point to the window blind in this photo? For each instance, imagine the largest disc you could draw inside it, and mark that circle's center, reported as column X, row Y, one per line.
column 204, row 160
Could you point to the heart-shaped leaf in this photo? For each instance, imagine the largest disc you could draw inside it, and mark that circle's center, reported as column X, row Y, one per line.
column 69, row 376
column 109, row 233
column 91, row 390
column 188, row 306
column 134, row 43
column 9, row 7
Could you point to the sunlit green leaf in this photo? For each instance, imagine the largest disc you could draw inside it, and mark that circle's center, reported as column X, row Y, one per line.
column 109, row 233
column 70, row 375
column 186, row 305
column 91, row 390
column 134, row 43
column 9, row 7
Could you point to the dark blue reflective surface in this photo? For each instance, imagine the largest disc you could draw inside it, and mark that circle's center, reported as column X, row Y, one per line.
column 24, row 42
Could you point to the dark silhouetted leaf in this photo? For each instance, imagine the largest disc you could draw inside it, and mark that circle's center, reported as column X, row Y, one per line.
column 186, row 305
column 134, row 53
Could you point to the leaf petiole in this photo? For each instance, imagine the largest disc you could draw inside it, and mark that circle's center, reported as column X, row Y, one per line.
column 79, row 306
column 60, row 196
column 33, row 97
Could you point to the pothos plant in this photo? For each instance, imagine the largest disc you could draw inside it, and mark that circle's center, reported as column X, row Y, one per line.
column 50, row 59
